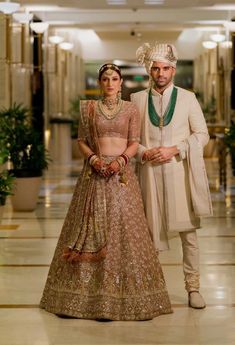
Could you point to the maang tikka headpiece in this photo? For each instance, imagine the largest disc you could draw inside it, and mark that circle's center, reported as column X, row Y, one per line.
column 109, row 67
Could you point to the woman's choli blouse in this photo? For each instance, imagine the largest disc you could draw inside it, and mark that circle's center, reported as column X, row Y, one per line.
column 125, row 125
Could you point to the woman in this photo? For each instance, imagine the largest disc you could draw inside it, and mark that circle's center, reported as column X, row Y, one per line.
column 105, row 265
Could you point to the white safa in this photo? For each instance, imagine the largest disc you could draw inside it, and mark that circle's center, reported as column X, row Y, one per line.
column 161, row 52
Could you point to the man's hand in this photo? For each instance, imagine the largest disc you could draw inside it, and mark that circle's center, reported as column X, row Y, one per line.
column 161, row 154
column 149, row 154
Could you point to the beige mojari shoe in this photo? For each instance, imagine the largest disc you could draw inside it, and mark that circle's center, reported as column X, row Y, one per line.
column 195, row 300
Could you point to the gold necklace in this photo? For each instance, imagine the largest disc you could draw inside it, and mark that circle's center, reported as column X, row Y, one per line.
column 113, row 112
column 109, row 102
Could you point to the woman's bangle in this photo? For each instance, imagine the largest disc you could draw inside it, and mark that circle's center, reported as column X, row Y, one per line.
column 93, row 159
column 91, row 155
column 126, row 158
column 121, row 161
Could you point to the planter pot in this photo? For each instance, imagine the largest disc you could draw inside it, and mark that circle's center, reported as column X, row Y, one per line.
column 26, row 190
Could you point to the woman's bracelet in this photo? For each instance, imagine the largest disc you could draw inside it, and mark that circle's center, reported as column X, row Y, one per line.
column 121, row 161
column 89, row 157
column 94, row 158
column 126, row 158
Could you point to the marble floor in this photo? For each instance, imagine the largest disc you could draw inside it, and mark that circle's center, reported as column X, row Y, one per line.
column 27, row 242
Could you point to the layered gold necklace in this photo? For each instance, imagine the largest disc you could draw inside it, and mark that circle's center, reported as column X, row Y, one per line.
column 109, row 108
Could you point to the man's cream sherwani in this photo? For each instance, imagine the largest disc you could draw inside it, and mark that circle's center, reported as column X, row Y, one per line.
column 165, row 188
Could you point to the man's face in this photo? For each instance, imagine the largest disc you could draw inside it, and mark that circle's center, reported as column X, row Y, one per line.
column 162, row 74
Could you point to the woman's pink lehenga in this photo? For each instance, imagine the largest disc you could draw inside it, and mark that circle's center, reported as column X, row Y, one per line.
column 105, row 265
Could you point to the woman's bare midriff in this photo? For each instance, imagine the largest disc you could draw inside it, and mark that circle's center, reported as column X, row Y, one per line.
column 112, row 146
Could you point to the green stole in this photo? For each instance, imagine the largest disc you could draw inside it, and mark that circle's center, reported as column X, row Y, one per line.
column 160, row 121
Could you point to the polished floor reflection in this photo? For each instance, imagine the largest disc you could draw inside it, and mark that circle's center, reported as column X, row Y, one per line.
column 27, row 242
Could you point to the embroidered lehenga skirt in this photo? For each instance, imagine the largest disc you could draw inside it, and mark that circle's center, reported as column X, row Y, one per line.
column 112, row 270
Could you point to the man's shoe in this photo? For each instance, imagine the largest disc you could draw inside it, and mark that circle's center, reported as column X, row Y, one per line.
column 195, row 300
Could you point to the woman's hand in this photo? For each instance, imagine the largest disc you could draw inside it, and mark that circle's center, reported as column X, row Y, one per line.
column 113, row 168
column 100, row 167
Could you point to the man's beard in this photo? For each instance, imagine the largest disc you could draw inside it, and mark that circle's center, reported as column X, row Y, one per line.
column 164, row 82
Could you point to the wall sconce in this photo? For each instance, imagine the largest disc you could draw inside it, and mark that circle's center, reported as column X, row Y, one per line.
column 23, row 19
column 66, row 45
column 8, row 7
column 217, row 38
column 56, row 40
column 209, row 44
column 39, row 27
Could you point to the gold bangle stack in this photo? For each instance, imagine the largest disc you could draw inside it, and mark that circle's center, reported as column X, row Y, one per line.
column 93, row 159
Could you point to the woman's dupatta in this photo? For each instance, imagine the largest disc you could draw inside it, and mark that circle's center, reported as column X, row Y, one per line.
column 86, row 220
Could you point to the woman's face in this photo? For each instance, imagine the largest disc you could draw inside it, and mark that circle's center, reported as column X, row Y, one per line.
column 110, row 83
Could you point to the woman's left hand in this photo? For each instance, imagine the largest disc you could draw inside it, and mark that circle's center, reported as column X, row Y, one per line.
column 113, row 168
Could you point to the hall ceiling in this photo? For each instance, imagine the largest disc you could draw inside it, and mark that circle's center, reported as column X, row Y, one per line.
column 120, row 21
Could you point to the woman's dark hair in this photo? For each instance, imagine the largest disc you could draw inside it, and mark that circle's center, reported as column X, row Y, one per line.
column 107, row 66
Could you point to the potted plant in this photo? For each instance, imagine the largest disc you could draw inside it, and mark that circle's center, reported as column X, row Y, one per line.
column 27, row 154
column 229, row 140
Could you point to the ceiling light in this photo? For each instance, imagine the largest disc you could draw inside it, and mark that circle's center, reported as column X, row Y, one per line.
column 218, row 37
column 209, row 44
column 116, row 2
column 8, row 7
column 154, row 2
column 39, row 27
column 66, row 45
column 23, row 18
column 56, row 39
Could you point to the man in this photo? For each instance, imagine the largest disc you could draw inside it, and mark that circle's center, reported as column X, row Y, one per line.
column 171, row 170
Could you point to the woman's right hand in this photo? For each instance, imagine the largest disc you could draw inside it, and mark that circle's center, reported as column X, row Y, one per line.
column 101, row 168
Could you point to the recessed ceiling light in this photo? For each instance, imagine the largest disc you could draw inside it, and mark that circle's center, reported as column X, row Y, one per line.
column 154, row 2
column 116, row 2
